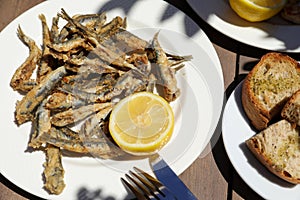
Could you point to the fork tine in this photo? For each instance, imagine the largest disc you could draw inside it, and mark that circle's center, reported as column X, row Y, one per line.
column 150, row 178
column 136, row 192
column 142, row 187
column 159, row 190
column 144, row 181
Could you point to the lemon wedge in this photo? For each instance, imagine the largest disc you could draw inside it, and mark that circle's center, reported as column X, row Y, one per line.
column 141, row 123
column 257, row 10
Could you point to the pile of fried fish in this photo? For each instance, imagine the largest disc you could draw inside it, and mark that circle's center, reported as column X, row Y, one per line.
column 80, row 72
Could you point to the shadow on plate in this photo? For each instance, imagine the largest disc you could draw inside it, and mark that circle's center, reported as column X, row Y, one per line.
column 237, row 97
column 127, row 6
column 86, row 194
column 262, row 170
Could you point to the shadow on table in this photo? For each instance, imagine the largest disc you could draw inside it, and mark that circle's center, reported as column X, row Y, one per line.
column 235, row 182
column 86, row 194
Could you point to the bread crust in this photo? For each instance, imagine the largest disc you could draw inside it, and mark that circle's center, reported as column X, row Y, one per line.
column 252, row 108
column 252, row 145
column 260, row 117
column 291, row 109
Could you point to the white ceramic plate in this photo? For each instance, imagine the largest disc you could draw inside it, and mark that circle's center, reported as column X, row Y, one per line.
column 236, row 130
column 197, row 110
column 274, row 34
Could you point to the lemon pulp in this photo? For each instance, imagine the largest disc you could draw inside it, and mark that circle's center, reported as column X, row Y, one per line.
column 257, row 10
column 141, row 123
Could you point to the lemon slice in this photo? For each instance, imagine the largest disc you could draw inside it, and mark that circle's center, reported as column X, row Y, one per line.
column 257, row 10
column 141, row 123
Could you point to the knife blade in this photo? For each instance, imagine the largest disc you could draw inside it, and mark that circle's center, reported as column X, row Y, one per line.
column 168, row 177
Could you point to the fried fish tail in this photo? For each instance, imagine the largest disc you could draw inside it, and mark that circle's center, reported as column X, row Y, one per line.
column 54, row 171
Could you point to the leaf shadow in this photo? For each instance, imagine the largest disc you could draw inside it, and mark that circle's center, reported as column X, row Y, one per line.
column 117, row 4
column 190, row 27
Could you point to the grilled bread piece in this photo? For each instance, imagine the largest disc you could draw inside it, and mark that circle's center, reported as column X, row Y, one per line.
column 272, row 81
column 278, row 148
column 291, row 110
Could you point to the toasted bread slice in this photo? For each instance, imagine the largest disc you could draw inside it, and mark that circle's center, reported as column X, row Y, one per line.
column 291, row 110
column 272, row 81
column 278, row 148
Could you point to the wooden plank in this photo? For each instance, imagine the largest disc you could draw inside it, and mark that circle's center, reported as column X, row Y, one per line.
column 13, row 8
column 227, row 60
column 6, row 193
column 205, row 180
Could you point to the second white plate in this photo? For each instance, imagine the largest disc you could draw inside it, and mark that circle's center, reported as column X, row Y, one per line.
column 236, row 130
column 270, row 35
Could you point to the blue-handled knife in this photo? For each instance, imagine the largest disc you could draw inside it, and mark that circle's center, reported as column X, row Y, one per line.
column 168, row 177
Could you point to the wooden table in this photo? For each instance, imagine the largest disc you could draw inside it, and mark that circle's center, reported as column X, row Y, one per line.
column 211, row 176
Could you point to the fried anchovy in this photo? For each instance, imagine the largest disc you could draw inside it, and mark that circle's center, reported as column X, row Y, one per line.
column 34, row 97
column 110, row 28
column 84, row 96
column 102, row 148
column 89, row 35
column 95, row 120
column 72, row 116
column 130, row 82
column 44, row 68
column 59, row 101
column 96, row 139
column 129, row 42
column 90, row 83
column 91, row 21
column 55, row 29
column 70, row 44
column 164, row 73
column 94, row 65
column 41, row 125
column 54, row 171
column 105, row 53
column 64, row 138
column 21, row 79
